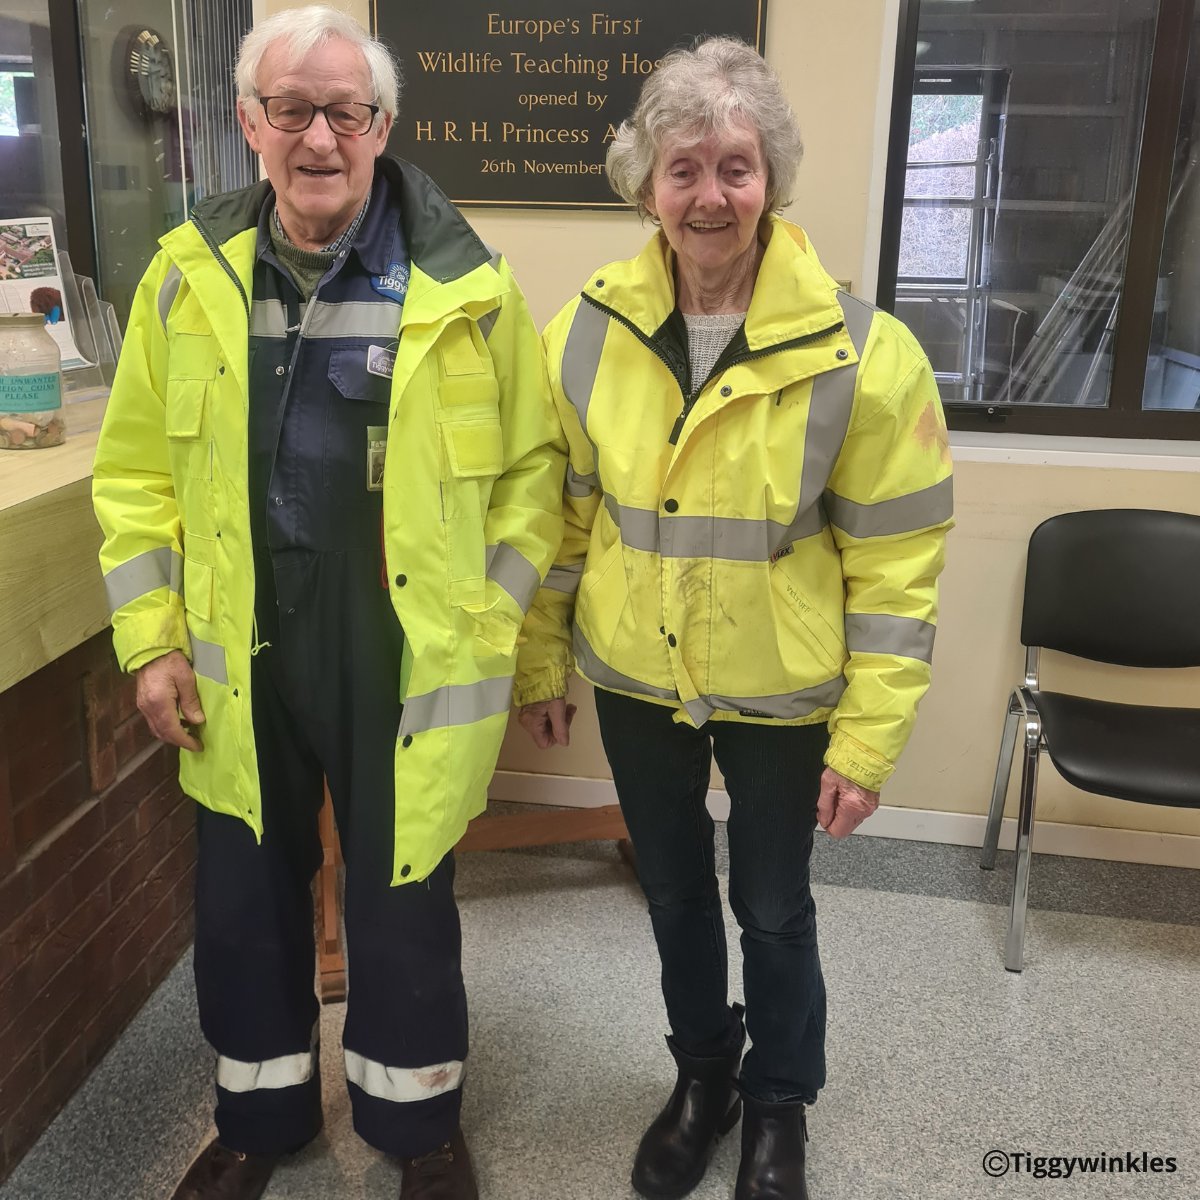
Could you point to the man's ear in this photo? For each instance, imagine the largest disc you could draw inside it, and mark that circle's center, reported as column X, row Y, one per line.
column 249, row 129
column 381, row 133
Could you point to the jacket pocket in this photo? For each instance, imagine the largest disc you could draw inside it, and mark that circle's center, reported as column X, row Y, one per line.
column 349, row 375
column 198, row 553
column 474, row 457
column 803, row 621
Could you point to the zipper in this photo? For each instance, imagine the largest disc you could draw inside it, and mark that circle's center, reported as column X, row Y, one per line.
column 216, row 252
column 723, row 364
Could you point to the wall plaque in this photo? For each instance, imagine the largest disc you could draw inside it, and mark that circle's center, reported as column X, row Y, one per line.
column 514, row 102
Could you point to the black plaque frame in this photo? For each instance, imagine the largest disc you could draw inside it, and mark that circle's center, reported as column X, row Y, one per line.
column 468, row 64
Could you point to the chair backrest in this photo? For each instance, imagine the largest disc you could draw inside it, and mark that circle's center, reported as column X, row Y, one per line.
column 1118, row 585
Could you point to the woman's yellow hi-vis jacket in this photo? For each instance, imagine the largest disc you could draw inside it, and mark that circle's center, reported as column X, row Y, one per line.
column 471, row 502
column 770, row 553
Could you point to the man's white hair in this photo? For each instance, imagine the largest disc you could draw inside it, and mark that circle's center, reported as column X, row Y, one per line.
column 301, row 30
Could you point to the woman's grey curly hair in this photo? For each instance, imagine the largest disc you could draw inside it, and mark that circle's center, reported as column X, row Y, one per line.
column 706, row 88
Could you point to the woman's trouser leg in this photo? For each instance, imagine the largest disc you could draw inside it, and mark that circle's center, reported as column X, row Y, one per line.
column 772, row 774
column 661, row 772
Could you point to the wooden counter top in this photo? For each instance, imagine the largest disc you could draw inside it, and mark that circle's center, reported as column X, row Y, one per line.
column 51, row 591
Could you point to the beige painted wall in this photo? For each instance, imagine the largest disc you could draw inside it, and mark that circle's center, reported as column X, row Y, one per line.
column 836, row 62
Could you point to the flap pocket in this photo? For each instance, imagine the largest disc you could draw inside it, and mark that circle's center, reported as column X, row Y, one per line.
column 474, row 448
column 458, row 354
column 193, row 356
column 185, row 407
column 348, row 373
column 197, row 588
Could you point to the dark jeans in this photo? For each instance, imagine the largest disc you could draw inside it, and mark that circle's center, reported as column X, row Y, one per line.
column 772, row 773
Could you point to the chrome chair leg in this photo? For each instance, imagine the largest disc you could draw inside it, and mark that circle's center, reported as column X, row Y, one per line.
column 1014, row 949
column 1008, row 741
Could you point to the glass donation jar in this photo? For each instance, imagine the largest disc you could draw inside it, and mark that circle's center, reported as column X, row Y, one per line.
column 31, row 413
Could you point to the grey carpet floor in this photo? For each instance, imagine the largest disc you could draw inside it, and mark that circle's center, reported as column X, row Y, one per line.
column 937, row 1056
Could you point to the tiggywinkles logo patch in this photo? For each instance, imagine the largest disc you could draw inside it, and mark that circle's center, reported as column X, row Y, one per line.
column 394, row 284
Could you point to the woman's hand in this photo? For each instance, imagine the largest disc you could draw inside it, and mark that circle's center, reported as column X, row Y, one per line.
column 843, row 805
column 548, row 722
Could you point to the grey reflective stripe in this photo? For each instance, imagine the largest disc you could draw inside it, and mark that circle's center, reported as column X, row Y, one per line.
column 638, row 526
column 858, row 315
column 145, row 573
column 581, row 357
column 919, row 510
column 600, row 673
column 208, row 659
column 402, row 1085
column 168, row 292
column 508, row 567
column 268, row 319
column 456, row 704
column 486, row 322
column 289, row 1070
column 790, row 705
column 565, row 579
column 581, row 485
column 352, row 318
column 881, row 633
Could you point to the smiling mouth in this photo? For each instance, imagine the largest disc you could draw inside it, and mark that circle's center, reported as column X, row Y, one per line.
column 318, row 172
column 707, row 226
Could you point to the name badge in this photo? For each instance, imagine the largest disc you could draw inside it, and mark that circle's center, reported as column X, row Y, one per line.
column 376, row 456
column 381, row 361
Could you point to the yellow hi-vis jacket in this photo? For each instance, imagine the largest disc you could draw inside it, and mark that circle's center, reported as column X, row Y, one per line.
column 769, row 554
column 472, row 491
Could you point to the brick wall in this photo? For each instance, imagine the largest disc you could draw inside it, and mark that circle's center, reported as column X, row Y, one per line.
column 97, row 863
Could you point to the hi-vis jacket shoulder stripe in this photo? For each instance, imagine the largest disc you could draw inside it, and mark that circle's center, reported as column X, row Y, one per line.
column 767, row 551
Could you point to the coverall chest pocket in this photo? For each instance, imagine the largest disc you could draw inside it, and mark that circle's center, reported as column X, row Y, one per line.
column 474, row 454
column 358, row 401
column 190, row 373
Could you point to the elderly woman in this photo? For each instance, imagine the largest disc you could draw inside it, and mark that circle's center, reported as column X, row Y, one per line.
column 756, row 503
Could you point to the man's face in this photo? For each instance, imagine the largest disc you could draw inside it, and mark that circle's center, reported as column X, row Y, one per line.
column 321, row 178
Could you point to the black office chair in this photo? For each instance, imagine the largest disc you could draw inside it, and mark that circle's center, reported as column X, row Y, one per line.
column 1119, row 585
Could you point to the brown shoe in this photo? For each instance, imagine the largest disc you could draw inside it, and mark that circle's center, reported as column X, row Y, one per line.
column 442, row 1174
column 219, row 1173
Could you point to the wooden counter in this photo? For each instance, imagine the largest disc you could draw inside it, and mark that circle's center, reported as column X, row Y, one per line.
column 51, row 590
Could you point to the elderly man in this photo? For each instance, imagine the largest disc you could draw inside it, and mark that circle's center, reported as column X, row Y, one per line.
column 329, row 484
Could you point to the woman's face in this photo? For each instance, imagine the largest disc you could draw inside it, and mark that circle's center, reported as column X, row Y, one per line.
column 709, row 197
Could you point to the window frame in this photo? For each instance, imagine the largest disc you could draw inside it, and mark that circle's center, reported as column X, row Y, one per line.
column 1124, row 416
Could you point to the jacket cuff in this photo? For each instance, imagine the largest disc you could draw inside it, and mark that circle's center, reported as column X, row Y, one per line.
column 550, row 685
column 849, row 757
column 141, row 636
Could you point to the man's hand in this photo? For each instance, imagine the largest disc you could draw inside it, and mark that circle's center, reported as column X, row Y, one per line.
column 843, row 805
column 548, row 722
column 167, row 698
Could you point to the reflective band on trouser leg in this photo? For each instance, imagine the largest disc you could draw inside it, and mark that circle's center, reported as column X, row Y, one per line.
column 905, row 514
column 142, row 574
column 289, row 1070
column 456, row 704
column 402, row 1085
column 881, row 633
column 508, row 567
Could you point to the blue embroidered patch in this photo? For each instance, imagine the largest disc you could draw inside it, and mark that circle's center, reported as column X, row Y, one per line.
column 394, row 284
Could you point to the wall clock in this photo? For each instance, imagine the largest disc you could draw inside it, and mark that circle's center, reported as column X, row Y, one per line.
column 149, row 73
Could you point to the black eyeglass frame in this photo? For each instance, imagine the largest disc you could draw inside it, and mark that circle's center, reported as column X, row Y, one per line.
column 319, row 108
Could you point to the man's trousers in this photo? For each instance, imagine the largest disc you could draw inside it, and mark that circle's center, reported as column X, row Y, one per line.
column 325, row 706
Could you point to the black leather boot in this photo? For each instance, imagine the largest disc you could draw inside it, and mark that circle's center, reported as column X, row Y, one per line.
column 219, row 1173
column 443, row 1174
column 773, row 1137
column 674, row 1152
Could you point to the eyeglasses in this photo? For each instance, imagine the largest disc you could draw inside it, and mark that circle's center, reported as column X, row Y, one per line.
column 290, row 114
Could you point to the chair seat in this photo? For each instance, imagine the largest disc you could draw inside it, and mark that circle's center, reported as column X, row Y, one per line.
column 1130, row 751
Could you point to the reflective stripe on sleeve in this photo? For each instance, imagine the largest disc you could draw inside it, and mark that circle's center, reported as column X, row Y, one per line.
column 208, row 659
column 882, row 633
column 402, row 1085
column 565, row 579
column 581, row 485
column 289, row 1070
column 145, row 573
column 456, row 704
column 508, row 567
column 905, row 514
column 167, row 293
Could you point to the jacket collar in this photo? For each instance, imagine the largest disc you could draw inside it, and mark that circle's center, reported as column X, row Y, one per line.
column 793, row 297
